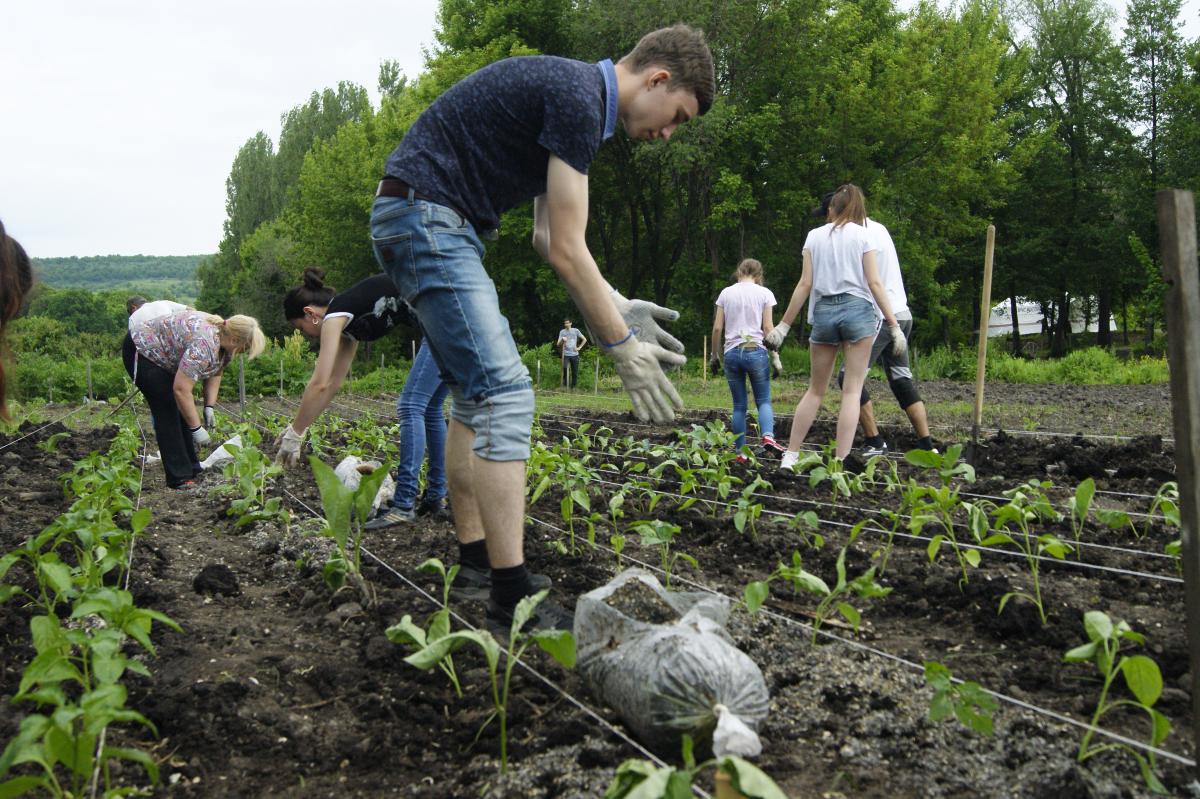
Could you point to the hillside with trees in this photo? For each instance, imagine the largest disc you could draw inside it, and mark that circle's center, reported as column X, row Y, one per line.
column 157, row 276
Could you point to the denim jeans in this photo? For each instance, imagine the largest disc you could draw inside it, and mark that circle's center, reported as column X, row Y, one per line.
column 839, row 318
column 422, row 429
column 435, row 259
column 755, row 364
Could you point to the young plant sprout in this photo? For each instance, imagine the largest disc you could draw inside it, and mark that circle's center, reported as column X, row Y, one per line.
column 345, row 513
column 965, row 700
column 1027, row 505
column 661, row 534
column 642, row 779
column 559, row 644
column 437, row 626
column 1142, row 678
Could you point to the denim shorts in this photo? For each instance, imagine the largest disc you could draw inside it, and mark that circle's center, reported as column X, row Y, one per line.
column 839, row 318
column 435, row 259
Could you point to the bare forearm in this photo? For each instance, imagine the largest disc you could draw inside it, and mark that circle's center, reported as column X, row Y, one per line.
column 212, row 390
column 799, row 297
column 590, row 291
column 187, row 407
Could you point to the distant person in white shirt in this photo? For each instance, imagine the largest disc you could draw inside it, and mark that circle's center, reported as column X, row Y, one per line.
column 743, row 318
column 141, row 310
column 899, row 374
column 571, row 340
column 848, row 302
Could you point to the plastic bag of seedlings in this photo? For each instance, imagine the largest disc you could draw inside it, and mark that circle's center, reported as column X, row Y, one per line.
column 663, row 661
column 350, row 472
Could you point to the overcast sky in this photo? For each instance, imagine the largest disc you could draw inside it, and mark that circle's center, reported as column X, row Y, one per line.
column 121, row 118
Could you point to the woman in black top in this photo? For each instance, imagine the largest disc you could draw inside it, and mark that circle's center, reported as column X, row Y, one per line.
column 366, row 311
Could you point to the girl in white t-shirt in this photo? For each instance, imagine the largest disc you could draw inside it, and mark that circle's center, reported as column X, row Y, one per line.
column 743, row 318
column 848, row 302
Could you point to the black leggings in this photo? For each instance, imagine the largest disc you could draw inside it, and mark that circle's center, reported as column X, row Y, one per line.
column 174, row 439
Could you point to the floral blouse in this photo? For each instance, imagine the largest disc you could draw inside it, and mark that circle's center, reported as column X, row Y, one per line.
column 183, row 341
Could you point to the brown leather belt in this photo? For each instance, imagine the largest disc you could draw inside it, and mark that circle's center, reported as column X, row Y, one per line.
column 391, row 187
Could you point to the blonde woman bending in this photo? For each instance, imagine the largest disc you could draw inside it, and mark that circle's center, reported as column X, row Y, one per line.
column 165, row 356
column 848, row 303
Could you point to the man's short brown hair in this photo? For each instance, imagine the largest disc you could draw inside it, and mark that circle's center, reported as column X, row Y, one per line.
column 682, row 51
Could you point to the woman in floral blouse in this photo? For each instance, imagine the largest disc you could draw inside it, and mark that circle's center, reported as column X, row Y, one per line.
column 165, row 357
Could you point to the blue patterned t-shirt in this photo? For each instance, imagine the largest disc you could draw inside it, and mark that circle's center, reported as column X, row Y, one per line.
column 483, row 146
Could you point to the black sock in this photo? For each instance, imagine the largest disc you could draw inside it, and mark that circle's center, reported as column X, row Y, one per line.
column 511, row 585
column 873, row 441
column 474, row 554
column 925, row 443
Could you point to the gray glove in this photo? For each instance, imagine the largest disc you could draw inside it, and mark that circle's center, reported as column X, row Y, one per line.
column 200, row 436
column 776, row 364
column 774, row 340
column 289, row 447
column 643, row 317
column 640, row 367
column 210, row 417
column 899, row 342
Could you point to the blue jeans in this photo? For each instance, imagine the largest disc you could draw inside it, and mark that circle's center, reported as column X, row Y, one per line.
column 421, row 427
column 435, row 259
column 843, row 317
column 755, row 364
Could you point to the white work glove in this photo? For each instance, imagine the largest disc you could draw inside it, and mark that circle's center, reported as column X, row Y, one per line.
column 899, row 342
column 289, row 447
column 776, row 364
column 210, row 416
column 200, row 436
column 639, row 366
column 642, row 318
column 774, row 340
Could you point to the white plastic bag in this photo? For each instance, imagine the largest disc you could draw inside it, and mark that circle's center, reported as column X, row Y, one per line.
column 675, row 676
column 350, row 472
column 220, row 454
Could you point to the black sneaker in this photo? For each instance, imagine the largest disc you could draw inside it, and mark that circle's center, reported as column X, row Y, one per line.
column 854, row 464
column 475, row 584
column 546, row 616
column 438, row 508
column 391, row 517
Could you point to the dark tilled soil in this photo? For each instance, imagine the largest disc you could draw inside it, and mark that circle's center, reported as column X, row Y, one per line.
column 280, row 687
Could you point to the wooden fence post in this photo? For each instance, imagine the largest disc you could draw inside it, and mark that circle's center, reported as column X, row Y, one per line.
column 596, row 385
column 89, row 380
column 242, row 386
column 985, row 309
column 1177, row 245
column 381, row 391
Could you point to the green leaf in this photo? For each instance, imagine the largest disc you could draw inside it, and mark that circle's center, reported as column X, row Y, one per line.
column 19, row 786
column 1082, row 654
column 851, row 614
column 1083, row 497
column 524, row 611
column 1161, row 727
column 941, row 707
column 364, row 495
column 739, row 521
column 924, row 458
column 1143, row 678
column 139, row 520
column 58, row 576
column 134, row 756
column 48, row 668
column 336, row 500
column 580, row 498
column 811, row 582
column 1098, row 625
column 558, row 644
column 749, row 780
column 755, row 594
column 972, row 557
column 935, row 543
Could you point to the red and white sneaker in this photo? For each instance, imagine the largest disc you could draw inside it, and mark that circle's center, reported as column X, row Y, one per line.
column 741, row 459
column 771, row 444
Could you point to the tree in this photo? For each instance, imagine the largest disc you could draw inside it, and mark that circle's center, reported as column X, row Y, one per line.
column 1154, row 50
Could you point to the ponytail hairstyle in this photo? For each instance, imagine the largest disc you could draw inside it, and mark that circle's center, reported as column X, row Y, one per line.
column 848, row 205
column 245, row 332
column 16, row 278
column 313, row 292
column 749, row 267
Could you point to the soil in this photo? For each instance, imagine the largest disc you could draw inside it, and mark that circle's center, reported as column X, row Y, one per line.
column 280, row 687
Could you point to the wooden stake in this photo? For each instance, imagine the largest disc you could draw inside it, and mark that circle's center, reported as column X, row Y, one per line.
column 89, row 379
column 1177, row 245
column 985, row 310
column 381, row 391
column 704, row 347
column 596, row 383
column 242, row 386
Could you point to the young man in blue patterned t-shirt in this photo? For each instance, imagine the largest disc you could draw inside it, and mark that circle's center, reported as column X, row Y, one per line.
column 517, row 130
